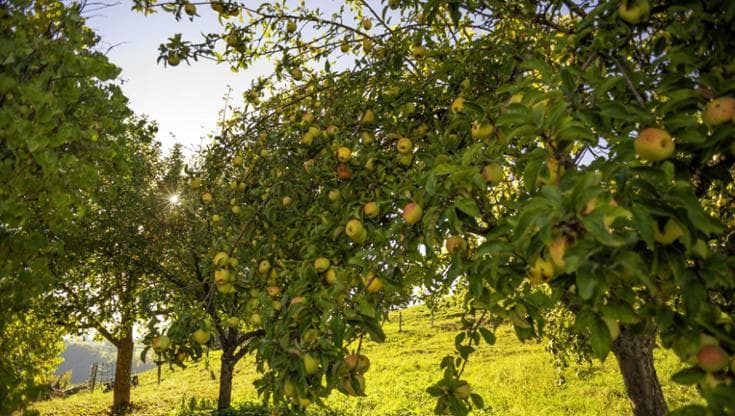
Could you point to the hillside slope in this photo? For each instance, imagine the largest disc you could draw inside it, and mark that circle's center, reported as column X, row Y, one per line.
column 514, row 379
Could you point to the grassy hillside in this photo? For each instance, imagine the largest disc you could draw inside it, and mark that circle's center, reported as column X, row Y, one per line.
column 514, row 379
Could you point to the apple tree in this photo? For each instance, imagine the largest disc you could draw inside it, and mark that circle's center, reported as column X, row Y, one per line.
column 560, row 153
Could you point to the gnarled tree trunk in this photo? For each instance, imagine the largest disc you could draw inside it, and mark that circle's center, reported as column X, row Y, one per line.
column 634, row 352
column 227, row 368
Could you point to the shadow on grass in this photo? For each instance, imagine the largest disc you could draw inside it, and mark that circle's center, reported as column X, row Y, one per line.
column 204, row 407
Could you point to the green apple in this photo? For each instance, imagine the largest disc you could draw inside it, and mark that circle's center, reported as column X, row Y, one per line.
column 542, row 271
column 346, row 384
column 463, row 391
column 190, row 9
column 493, row 173
column 367, row 137
column 418, row 51
column 201, row 336
column 330, row 276
column 307, row 118
column 236, row 209
column 311, row 364
column 634, row 11
column 289, row 389
column 367, row 24
column 372, row 283
column 256, row 319
column 160, row 343
column 206, row 197
column 358, row 363
column 718, row 111
column 412, row 213
column 672, row 231
column 457, row 105
column 234, row 322
column 221, row 259
column 404, row 145
column 321, row 264
column 355, row 230
column 334, row 195
column 331, row 130
column 296, row 74
column 368, row 117
column 654, row 144
column 367, row 45
column 173, row 60
column 405, row 160
column 222, row 276
column 291, row 26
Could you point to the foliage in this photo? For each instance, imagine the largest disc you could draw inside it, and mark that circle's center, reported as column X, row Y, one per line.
column 513, row 127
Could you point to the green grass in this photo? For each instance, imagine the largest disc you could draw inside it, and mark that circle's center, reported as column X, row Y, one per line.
column 513, row 378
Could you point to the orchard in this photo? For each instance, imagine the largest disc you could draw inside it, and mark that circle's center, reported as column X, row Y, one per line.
column 530, row 156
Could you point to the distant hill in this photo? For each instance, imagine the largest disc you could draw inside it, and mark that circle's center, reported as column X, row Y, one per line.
column 79, row 355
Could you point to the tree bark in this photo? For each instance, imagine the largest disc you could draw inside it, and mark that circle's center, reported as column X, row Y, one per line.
column 123, row 370
column 227, row 368
column 634, row 352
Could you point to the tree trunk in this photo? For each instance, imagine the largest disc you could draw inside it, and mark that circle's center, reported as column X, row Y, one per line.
column 123, row 369
column 634, row 352
column 227, row 367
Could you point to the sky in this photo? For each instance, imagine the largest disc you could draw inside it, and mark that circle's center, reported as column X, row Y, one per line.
column 184, row 100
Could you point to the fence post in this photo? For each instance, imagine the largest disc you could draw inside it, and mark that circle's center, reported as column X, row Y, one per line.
column 93, row 377
column 400, row 321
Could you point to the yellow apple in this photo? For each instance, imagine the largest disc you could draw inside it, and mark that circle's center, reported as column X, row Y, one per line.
column 330, row 276
column 264, row 266
column 457, row 105
column 367, row 45
column 233, row 322
column 367, row 24
column 273, row 291
column 372, row 282
column 371, row 209
column 455, row 244
column 237, row 160
column 221, row 258
column 634, row 11
column 331, row 130
column 334, row 195
column 354, row 229
column 367, row 137
column 344, row 154
column 493, row 173
column 286, row 200
column 654, row 144
column 216, row 218
column 201, row 336
column 557, row 249
column 307, row 118
column 718, row 111
column 412, row 213
column 222, row 276
column 516, row 98
column 482, row 130
column 368, row 117
column 190, row 9
column 309, row 165
column 256, row 319
column 542, row 271
column 206, row 197
column 321, row 264
column 418, row 51
column 291, row 26
column 235, row 209
column 463, row 391
column 404, row 145
column 297, row 74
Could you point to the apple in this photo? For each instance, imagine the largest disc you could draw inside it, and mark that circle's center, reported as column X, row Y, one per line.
column 309, row 165
column 256, row 319
column 276, row 304
column 367, row 24
column 346, row 384
column 334, row 195
column 296, row 300
column 370, row 165
column 404, row 145
column 455, row 244
column 307, row 118
column 344, row 154
column 233, row 262
column 190, row 9
column 304, row 402
column 206, row 197
column 418, row 51
column 542, row 271
column 368, row 117
column 237, row 160
column 181, row 356
column 289, row 390
column 354, row 229
column 557, row 248
column 273, row 291
column 412, row 213
column 672, row 232
column 330, row 276
column 264, row 266
column 613, row 327
column 712, row 358
column 201, row 336
column 516, row 98
column 367, row 137
column 331, row 130
column 160, row 343
column 221, row 258
column 654, row 144
column 371, row 209
column 344, row 46
column 466, row 84
column 634, row 11
column 367, row 45
column 394, row 4
column 291, row 26
column 343, row 172
column 235, row 209
column 463, row 391
column 457, row 105
column 216, row 218
column 718, row 111
column 373, row 284
column 321, row 264
column 311, row 364
column 358, row 363
column 405, row 160
column 234, row 322
column 221, row 276
column 297, row 74
column 286, row 200
column 482, row 130
column 173, row 60
column 493, row 173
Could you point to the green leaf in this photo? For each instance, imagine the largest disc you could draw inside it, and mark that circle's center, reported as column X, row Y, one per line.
column 586, row 282
column 600, row 340
column 468, row 206
column 487, row 335
column 688, row 376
